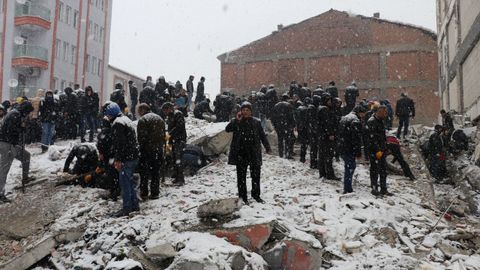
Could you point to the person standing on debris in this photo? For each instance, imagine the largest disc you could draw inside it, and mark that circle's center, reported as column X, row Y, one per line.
column 245, row 150
column 177, row 137
column 48, row 115
column 350, row 146
column 312, row 121
column 70, row 113
column 118, row 96
column 200, row 91
column 89, row 103
column 393, row 146
column 327, row 137
column 447, row 122
column 151, row 134
column 283, row 120
column 437, row 154
column 190, row 91
column 351, row 94
column 12, row 136
column 133, row 98
column 404, row 110
column 377, row 145
column 125, row 154
column 332, row 89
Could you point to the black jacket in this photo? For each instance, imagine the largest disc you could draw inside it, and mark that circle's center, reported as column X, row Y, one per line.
column 349, row 134
column 327, row 123
column 105, row 142
column 303, row 126
column 351, row 94
column 189, row 86
column 283, row 116
column 436, row 145
column 48, row 112
column 124, row 146
column 376, row 135
column 151, row 135
column 200, row 108
column 11, row 127
column 148, row 96
column 176, row 127
column 87, row 158
column 118, row 97
column 245, row 148
column 448, row 123
column 200, row 89
column 90, row 104
column 405, row 107
column 332, row 90
column 71, row 104
column 133, row 93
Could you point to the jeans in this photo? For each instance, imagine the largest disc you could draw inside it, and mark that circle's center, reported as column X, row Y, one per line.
column 350, row 165
column 48, row 131
column 403, row 122
column 133, row 109
column 90, row 121
column 9, row 152
column 189, row 102
column 129, row 193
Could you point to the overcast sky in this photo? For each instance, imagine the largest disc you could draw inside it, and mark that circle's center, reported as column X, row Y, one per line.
column 176, row 38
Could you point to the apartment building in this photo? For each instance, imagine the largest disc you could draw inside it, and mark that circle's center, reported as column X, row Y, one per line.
column 53, row 44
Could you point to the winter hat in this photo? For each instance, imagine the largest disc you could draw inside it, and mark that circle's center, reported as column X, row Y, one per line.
column 359, row 109
column 167, row 105
column 25, row 107
column 246, row 104
column 113, row 110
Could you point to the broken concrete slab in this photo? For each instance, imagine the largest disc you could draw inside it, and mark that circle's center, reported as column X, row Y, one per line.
column 138, row 255
column 251, row 237
column 352, row 247
column 31, row 256
column 218, row 208
column 160, row 253
column 292, row 255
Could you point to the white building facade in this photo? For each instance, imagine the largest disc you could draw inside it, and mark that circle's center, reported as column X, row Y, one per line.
column 53, row 44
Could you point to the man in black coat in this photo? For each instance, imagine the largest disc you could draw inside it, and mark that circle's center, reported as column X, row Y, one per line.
column 378, row 145
column 90, row 105
column 201, row 108
column 125, row 155
column 48, row 114
column 12, row 136
column 303, row 130
column 223, row 107
column 404, row 110
column 133, row 97
column 332, row 89
column 151, row 141
column 350, row 146
column 118, row 96
column 351, row 94
column 312, row 120
column 437, row 154
column 70, row 112
column 283, row 120
column 271, row 99
column 448, row 125
column 200, row 91
column 327, row 137
column 245, row 150
column 149, row 97
column 87, row 159
column 177, row 137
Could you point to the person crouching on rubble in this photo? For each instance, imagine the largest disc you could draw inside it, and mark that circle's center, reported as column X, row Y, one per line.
column 245, row 150
column 393, row 147
column 85, row 165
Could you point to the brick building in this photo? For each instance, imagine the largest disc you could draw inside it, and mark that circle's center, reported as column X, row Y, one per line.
column 384, row 58
column 458, row 25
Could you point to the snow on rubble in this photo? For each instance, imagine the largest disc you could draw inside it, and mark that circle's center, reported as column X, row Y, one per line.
column 355, row 231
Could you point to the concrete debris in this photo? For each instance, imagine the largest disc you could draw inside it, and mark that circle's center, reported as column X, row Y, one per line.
column 31, row 256
column 218, row 208
column 160, row 253
column 138, row 255
column 292, row 255
column 250, row 237
column 352, row 247
column 429, row 242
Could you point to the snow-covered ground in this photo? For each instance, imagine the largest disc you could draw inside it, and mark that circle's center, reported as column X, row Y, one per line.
column 294, row 195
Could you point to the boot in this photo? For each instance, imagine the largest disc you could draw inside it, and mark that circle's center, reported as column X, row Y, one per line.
column 44, row 148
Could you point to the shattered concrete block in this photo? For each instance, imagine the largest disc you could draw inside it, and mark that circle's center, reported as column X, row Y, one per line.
column 137, row 254
column 293, row 255
column 218, row 208
column 161, row 252
column 31, row 256
column 352, row 246
column 429, row 242
column 251, row 237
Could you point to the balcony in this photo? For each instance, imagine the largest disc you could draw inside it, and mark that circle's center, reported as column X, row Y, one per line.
column 32, row 16
column 30, row 56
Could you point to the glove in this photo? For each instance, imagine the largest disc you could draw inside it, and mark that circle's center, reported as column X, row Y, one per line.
column 87, row 178
column 379, row 155
column 98, row 170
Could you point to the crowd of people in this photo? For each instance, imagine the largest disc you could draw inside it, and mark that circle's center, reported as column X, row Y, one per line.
column 318, row 120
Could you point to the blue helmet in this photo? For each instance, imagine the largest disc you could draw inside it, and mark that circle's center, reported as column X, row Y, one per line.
column 113, row 110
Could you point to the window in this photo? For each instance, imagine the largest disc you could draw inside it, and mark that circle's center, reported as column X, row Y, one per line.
column 63, row 84
column 65, row 51
column 55, row 83
column 95, row 32
column 94, row 65
column 76, row 14
column 100, row 66
column 90, row 28
column 88, row 63
column 58, row 48
column 61, row 11
column 101, row 34
column 102, row 3
column 68, row 15
column 73, row 53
